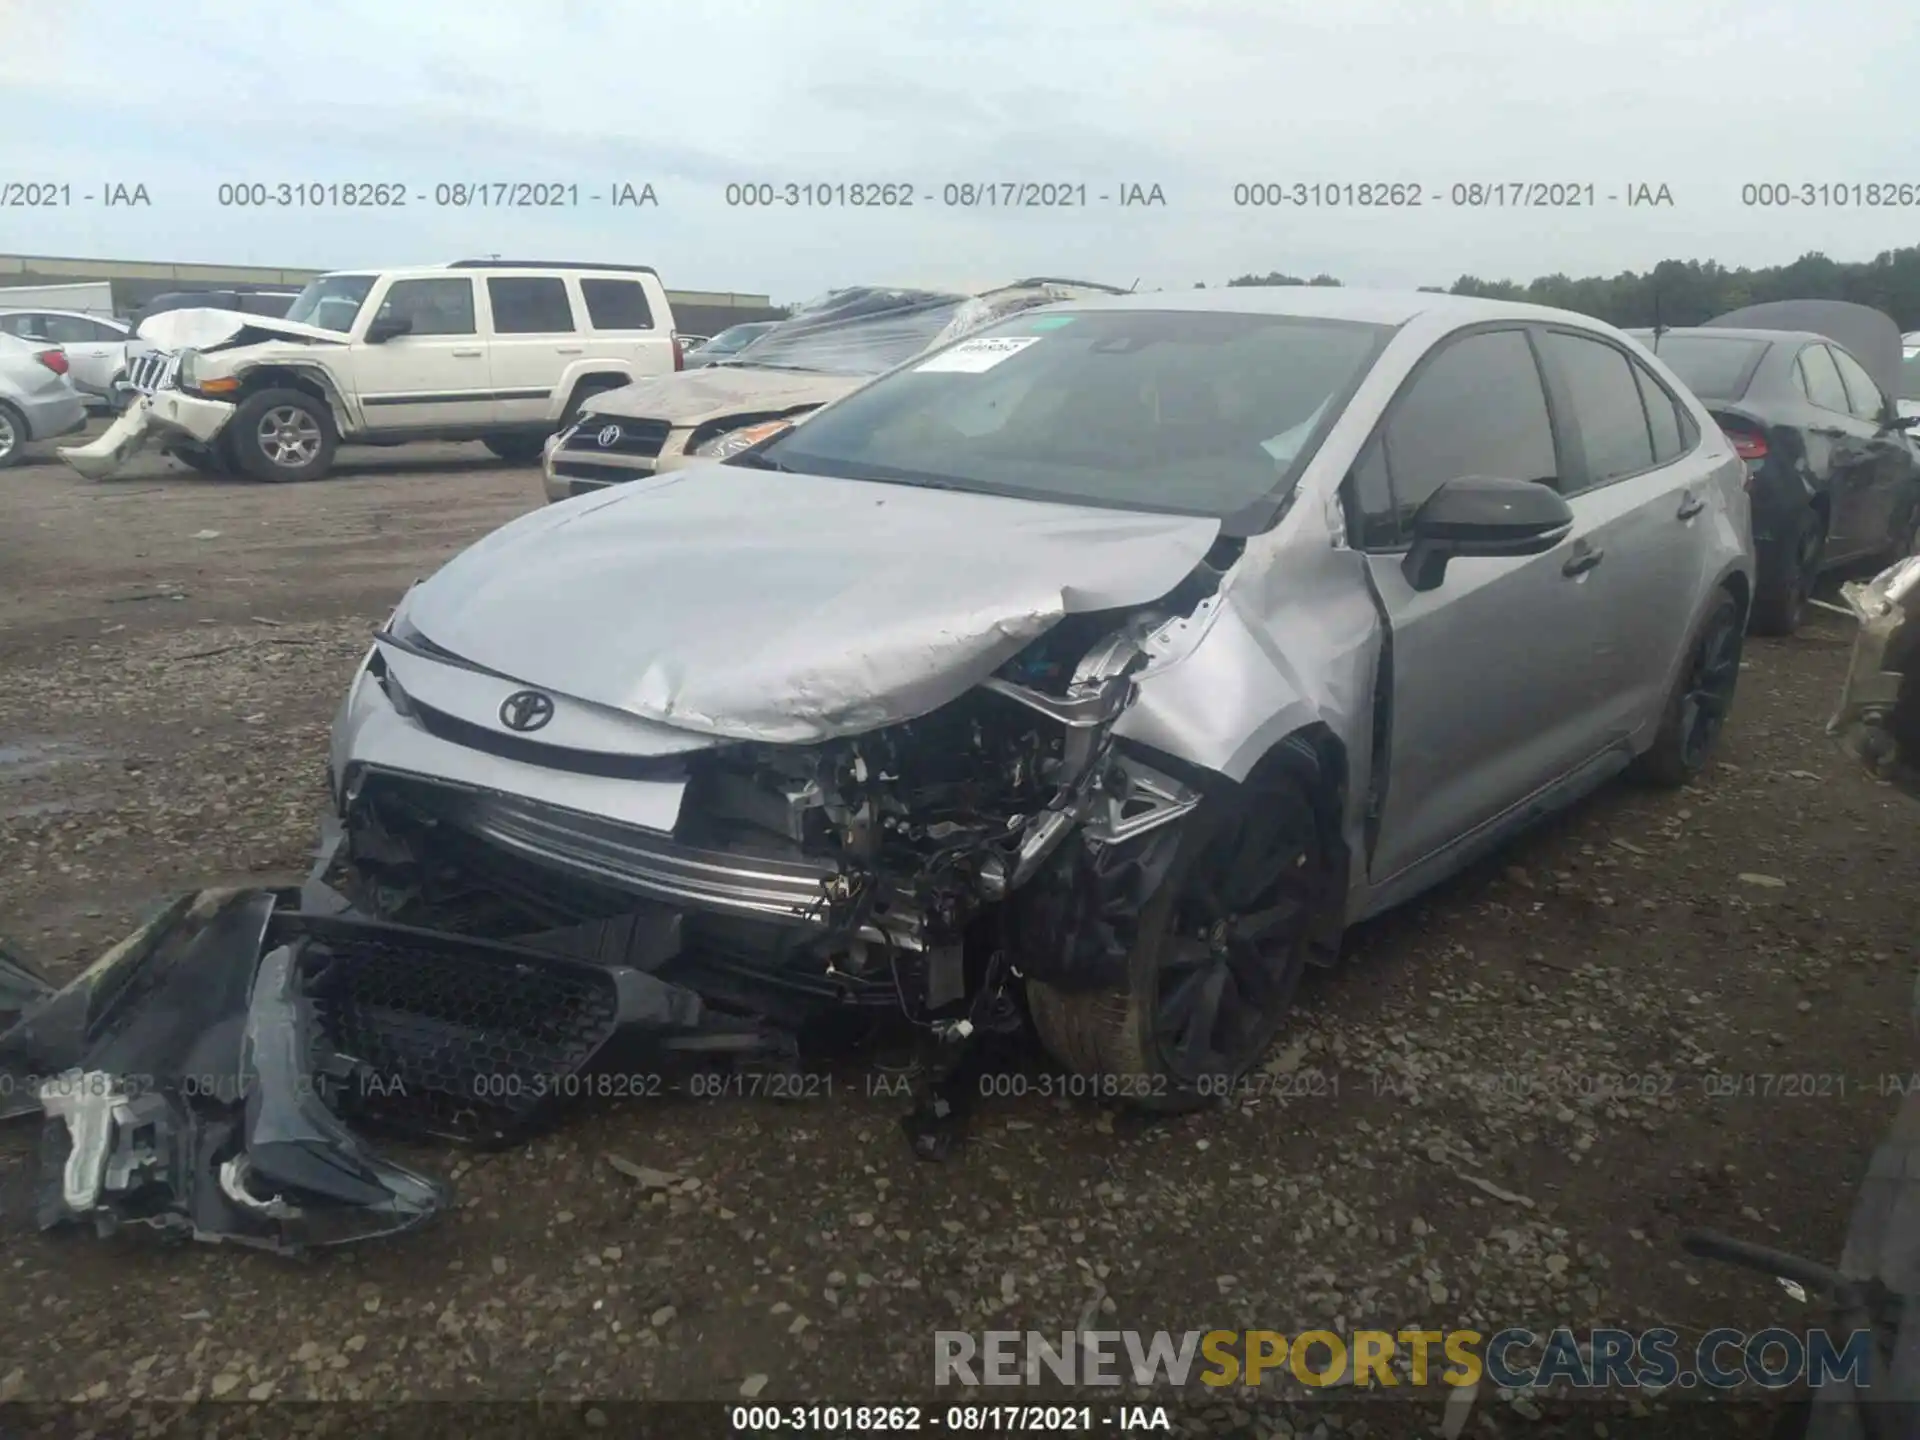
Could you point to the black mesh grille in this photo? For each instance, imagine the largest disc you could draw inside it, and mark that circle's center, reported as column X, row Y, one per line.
column 455, row 1040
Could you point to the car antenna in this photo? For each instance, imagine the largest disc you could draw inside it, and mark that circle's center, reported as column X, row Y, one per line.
column 1134, row 286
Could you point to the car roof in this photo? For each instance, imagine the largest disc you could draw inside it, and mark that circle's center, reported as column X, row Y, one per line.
column 413, row 272
column 1727, row 332
column 1329, row 302
column 51, row 310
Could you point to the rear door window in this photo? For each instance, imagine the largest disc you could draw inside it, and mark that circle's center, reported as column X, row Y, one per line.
column 1606, row 406
column 1863, row 396
column 616, row 304
column 1663, row 416
column 1820, row 380
column 530, row 305
column 69, row 330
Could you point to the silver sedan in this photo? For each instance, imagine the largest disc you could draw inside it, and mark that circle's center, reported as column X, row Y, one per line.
column 1123, row 652
column 37, row 400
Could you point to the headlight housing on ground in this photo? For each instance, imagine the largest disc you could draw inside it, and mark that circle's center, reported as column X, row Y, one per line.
column 732, row 442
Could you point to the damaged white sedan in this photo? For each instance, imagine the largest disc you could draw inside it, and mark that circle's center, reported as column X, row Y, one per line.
column 1120, row 654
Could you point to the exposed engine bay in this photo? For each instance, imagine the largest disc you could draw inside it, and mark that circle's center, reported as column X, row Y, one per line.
column 890, row 871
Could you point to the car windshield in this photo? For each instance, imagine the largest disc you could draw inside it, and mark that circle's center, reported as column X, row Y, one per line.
column 863, row 331
column 331, row 302
column 732, row 339
column 1713, row 368
column 1182, row 412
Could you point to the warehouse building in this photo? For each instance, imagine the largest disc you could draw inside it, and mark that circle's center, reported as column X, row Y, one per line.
column 135, row 282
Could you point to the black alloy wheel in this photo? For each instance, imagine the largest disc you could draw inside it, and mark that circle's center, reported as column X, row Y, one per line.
column 1702, row 698
column 1218, row 951
column 1713, row 676
column 1235, row 950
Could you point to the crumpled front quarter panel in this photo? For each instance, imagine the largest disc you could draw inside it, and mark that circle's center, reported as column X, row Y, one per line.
column 1292, row 639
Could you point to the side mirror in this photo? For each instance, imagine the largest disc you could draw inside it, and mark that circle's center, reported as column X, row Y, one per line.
column 385, row 328
column 1898, row 421
column 1478, row 515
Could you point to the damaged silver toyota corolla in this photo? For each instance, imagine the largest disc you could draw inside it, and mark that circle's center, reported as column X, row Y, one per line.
column 1120, row 654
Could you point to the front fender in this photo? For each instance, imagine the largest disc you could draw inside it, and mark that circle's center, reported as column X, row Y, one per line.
column 348, row 418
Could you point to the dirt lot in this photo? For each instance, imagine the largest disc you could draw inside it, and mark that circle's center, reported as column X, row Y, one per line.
column 1560, row 1025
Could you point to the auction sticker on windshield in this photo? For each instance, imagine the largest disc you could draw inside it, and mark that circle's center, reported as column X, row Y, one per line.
column 972, row 356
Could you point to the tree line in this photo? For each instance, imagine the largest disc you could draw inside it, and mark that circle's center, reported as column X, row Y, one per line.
column 1688, row 292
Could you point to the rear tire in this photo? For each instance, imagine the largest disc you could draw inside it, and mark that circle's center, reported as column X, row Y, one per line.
column 516, row 449
column 1697, row 709
column 282, row 436
column 1220, row 950
column 13, row 436
column 1781, row 595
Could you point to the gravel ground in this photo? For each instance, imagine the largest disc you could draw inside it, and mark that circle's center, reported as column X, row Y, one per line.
column 1501, row 1111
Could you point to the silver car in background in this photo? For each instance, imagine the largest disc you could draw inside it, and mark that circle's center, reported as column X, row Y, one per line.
column 97, row 347
column 1126, row 651
column 37, row 400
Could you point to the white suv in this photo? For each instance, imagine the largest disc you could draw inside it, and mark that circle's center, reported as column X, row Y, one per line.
column 503, row 351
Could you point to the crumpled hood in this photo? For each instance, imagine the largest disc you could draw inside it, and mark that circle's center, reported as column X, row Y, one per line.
column 693, row 397
column 754, row 605
column 205, row 328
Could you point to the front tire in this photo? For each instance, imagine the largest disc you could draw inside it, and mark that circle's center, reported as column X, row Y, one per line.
column 283, row 436
column 1702, row 696
column 1221, row 946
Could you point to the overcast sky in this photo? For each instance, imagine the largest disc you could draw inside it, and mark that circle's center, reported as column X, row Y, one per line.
column 1194, row 96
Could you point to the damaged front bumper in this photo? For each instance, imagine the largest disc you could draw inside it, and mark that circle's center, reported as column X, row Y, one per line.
column 779, row 880
column 171, row 416
column 207, row 1077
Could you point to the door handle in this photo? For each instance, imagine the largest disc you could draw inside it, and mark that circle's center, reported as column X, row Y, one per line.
column 1582, row 560
column 569, row 349
column 468, row 354
column 1690, row 506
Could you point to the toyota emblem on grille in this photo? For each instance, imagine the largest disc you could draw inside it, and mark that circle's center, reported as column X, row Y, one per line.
column 608, row 434
column 526, row 710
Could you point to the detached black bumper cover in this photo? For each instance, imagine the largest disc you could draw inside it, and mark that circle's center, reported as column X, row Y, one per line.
column 199, row 1077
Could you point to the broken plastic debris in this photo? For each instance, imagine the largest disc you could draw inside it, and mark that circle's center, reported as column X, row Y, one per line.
column 1487, row 1187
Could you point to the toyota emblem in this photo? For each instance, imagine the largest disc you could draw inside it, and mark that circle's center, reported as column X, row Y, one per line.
column 526, row 710
column 608, row 434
